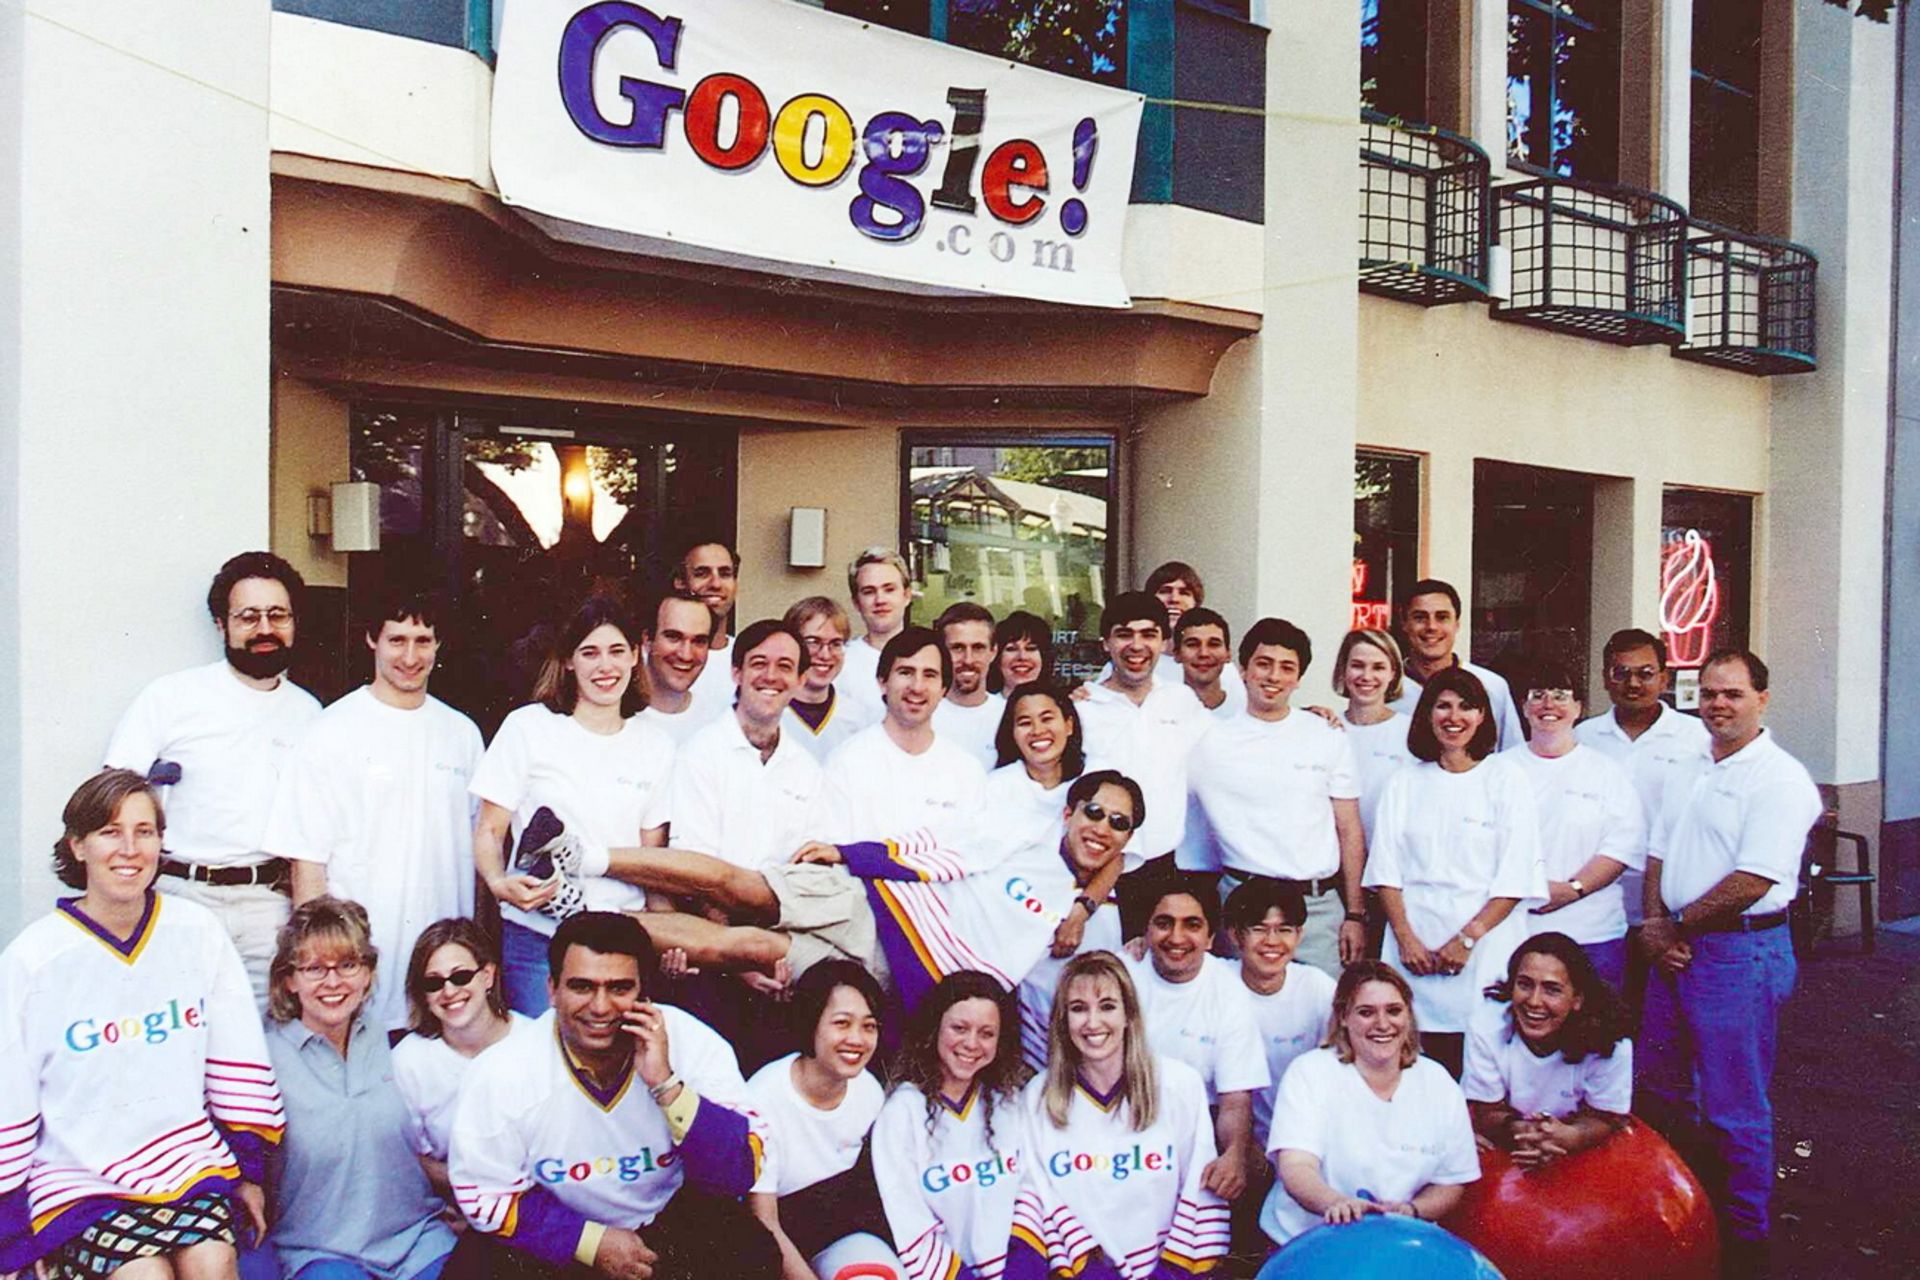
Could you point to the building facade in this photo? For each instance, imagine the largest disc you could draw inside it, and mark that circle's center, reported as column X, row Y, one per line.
column 1607, row 343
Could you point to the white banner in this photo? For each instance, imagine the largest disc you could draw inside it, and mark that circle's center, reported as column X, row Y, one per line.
column 767, row 130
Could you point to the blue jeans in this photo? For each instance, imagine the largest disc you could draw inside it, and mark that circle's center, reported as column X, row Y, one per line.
column 341, row 1269
column 1706, row 1050
column 523, row 967
column 1610, row 961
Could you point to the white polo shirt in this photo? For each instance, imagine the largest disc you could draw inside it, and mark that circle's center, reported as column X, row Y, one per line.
column 1674, row 748
column 876, row 791
column 1206, row 1023
column 1499, row 696
column 713, row 687
column 1750, row 812
column 729, row 803
column 1150, row 743
column 858, row 681
column 1268, row 786
column 1587, row 808
column 699, row 712
column 972, row 729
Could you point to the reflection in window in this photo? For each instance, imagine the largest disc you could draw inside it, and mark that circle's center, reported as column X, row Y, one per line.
column 901, row 15
column 1015, row 526
column 1706, row 569
column 1393, row 57
column 1386, row 535
column 1084, row 38
column 1563, row 87
column 389, row 448
column 1725, row 149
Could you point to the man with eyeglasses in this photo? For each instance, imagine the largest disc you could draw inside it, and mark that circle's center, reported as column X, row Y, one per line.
column 969, row 716
column 820, row 717
column 218, row 736
column 1659, row 747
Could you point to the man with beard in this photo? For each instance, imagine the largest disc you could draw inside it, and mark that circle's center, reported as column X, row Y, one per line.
column 223, row 732
column 969, row 716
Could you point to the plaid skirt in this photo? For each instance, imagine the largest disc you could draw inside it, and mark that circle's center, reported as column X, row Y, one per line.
column 132, row 1231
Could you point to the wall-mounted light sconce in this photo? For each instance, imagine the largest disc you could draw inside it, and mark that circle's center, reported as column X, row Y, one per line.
column 319, row 515
column 355, row 516
column 807, row 537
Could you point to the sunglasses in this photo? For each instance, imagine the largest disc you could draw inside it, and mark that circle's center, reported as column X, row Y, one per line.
column 459, row 978
column 1118, row 821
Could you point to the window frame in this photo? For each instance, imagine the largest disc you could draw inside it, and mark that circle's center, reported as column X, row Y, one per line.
column 1556, row 14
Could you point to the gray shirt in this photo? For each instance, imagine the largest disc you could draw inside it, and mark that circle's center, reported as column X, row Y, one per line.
column 345, row 1181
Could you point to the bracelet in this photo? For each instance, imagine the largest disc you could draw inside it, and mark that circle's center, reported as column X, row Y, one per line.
column 1356, row 917
column 658, row 1091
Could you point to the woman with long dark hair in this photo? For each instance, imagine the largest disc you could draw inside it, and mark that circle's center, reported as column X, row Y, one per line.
column 946, row 1148
column 1549, row 1066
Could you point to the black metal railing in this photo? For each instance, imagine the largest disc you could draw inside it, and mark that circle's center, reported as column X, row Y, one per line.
column 1594, row 259
column 1751, row 299
column 1423, row 212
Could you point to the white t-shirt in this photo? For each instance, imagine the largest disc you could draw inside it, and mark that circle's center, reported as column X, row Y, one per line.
column 876, row 791
column 428, row 1071
column 607, row 788
column 1150, row 743
column 378, row 795
column 1665, row 758
column 1379, row 751
column 1392, row 1148
column 858, row 681
column 1500, row 1068
column 728, row 803
column 1014, row 804
column 232, row 743
column 972, row 729
column 844, row 719
column 1291, row 1021
column 1499, row 696
column 1587, row 807
column 948, row 1194
column 699, row 712
column 713, row 688
column 1043, row 980
column 1451, row 842
column 1749, row 812
column 806, row 1145
column 1268, row 786
column 1206, row 1023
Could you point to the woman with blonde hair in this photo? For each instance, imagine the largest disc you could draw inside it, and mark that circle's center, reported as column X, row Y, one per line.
column 1115, row 1143
column 1368, row 672
column 350, row 1202
column 1365, row 1124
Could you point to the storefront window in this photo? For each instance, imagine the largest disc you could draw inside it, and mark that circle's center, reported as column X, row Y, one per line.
column 1386, row 535
column 1532, row 594
column 1706, row 568
column 1014, row 522
column 1563, row 87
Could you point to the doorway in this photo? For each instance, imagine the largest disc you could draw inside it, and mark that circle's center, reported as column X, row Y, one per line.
column 512, row 516
column 1532, row 566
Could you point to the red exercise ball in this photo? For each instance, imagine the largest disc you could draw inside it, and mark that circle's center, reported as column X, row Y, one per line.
column 1629, row 1202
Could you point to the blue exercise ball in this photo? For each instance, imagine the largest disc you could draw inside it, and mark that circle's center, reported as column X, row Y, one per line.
column 1379, row 1247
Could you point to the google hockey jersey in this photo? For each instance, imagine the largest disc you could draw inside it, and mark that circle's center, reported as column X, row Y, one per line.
column 948, row 1193
column 129, row 1071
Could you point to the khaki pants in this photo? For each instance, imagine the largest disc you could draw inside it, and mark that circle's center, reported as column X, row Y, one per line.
column 250, row 913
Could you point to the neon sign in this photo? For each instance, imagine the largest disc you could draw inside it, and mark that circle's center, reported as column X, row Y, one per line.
column 1368, row 615
column 1689, row 597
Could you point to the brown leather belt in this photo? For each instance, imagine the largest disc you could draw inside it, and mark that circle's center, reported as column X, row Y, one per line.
column 272, row 873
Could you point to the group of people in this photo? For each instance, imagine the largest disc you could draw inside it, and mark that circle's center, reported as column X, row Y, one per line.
column 1155, row 969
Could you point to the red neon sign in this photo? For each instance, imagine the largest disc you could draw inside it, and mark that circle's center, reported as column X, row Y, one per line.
column 1368, row 615
column 1689, row 597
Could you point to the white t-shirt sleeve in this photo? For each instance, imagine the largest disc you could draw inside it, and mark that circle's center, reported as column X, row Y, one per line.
column 1459, row 1156
column 1389, row 831
column 1520, row 870
column 1773, row 832
column 506, row 767
column 1624, row 837
column 1609, row 1083
column 662, row 805
column 1299, row 1111
column 1343, row 775
column 1481, row 1079
column 140, row 736
column 307, row 821
column 1241, row 1063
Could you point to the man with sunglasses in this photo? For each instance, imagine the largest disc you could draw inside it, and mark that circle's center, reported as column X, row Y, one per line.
column 911, row 910
column 1659, row 747
column 217, row 736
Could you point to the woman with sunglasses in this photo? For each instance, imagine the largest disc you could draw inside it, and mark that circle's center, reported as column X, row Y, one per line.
column 946, row 1147
column 350, row 1201
column 137, row 1103
column 1592, row 827
column 459, row 1010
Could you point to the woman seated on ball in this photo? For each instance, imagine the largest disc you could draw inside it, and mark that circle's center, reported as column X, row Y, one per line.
column 1549, row 1069
column 1364, row 1124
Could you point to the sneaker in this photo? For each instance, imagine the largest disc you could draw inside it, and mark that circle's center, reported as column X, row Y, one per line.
column 533, row 856
column 567, row 901
column 163, row 773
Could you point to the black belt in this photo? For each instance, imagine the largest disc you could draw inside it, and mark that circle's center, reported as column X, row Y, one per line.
column 1745, row 924
column 271, row 873
column 1308, row 888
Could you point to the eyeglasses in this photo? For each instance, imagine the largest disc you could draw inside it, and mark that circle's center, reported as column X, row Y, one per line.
column 276, row 616
column 1118, row 821
column 1550, row 695
column 1272, row 930
column 458, row 978
column 318, row 972
column 1620, row 674
column 820, row 644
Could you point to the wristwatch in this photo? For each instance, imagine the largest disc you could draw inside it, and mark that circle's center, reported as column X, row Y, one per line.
column 1356, row 917
column 1466, row 940
column 1083, row 900
column 1579, row 890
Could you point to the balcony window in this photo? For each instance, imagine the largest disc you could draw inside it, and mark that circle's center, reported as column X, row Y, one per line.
column 1083, row 38
column 1725, row 147
column 1393, row 58
column 1563, row 87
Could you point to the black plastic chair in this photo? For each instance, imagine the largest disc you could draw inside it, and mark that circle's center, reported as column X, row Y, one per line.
column 1819, row 865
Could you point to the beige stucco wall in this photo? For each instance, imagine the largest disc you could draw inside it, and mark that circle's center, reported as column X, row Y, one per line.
column 310, row 452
